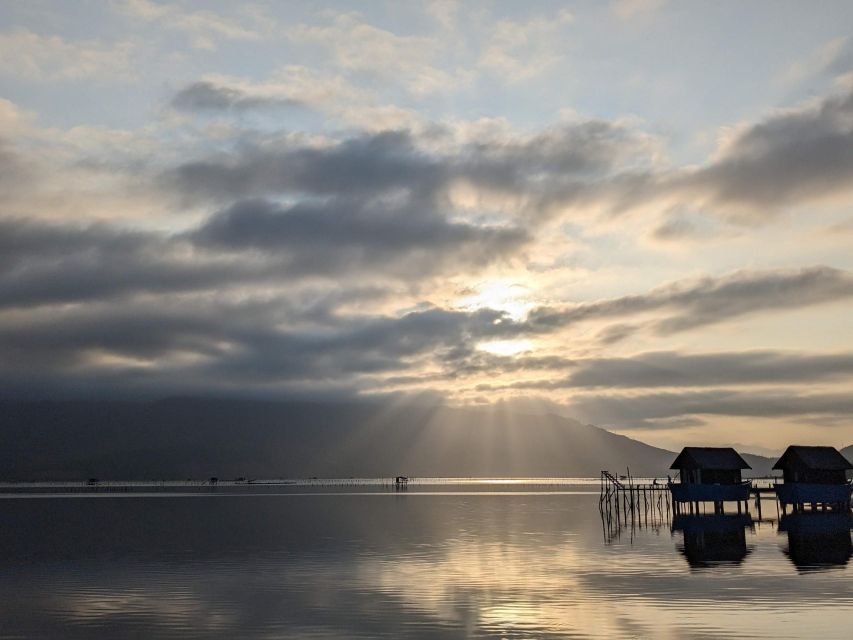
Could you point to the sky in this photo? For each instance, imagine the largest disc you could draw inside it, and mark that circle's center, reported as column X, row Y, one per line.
column 634, row 213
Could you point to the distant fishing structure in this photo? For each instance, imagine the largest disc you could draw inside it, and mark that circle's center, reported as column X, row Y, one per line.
column 626, row 503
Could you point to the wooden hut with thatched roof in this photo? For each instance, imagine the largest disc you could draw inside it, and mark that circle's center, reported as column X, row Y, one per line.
column 709, row 474
column 815, row 476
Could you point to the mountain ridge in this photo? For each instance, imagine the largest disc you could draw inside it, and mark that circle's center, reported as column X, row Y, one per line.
column 179, row 438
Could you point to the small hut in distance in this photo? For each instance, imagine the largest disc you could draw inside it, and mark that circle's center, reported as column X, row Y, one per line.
column 709, row 474
column 813, row 475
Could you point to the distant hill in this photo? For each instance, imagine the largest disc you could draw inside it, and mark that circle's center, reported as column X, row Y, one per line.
column 199, row 438
column 847, row 452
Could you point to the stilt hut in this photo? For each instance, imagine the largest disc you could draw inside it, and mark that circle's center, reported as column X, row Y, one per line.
column 709, row 474
column 815, row 476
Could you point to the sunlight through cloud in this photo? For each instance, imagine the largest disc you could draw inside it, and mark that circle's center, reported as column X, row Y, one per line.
column 506, row 347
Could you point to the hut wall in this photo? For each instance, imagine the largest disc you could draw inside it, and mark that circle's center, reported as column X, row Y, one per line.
column 710, row 476
column 720, row 476
column 815, row 476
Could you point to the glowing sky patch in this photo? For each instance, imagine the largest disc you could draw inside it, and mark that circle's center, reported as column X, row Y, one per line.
column 506, row 347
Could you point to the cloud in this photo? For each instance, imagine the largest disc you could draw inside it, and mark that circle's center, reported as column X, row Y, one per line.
column 15, row 170
column 509, row 50
column 203, row 342
column 359, row 47
column 656, row 410
column 253, row 242
column 227, row 302
column 207, row 96
column 49, row 58
column 359, row 165
column 203, row 27
column 351, row 235
column 522, row 174
column 673, row 369
column 794, row 157
column 444, row 12
column 834, row 57
column 53, row 263
column 517, row 51
column 697, row 303
column 298, row 86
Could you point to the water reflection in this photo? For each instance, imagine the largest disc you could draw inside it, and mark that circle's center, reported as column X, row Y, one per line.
column 818, row 541
column 401, row 565
column 710, row 540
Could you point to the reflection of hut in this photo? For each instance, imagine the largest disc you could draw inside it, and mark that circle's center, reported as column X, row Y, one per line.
column 815, row 475
column 710, row 540
column 709, row 474
column 818, row 540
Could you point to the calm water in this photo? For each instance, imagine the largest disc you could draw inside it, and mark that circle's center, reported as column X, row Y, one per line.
column 431, row 562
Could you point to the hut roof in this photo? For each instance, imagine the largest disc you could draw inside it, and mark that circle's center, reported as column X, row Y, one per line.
column 799, row 457
column 709, row 458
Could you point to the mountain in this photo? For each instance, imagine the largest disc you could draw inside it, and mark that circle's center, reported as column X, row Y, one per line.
column 199, row 438
column 847, row 452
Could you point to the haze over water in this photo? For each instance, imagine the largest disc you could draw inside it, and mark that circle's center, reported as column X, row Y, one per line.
column 434, row 561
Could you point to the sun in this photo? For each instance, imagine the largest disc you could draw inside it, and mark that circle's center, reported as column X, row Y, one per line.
column 502, row 295
column 506, row 347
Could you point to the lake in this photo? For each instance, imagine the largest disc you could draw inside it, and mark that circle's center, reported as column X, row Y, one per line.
column 447, row 560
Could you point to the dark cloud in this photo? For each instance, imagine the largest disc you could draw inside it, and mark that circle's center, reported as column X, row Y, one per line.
column 659, row 409
column 250, row 243
column 342, row 236
column 746, row 292
column 791, row 158
column 673, row 369
column 537, row 171
column 787, row 159
column 611, row 334
column 707, row 301
column 361, row 166
column 208, row 96
column 674, row 229
column 44, row 263
column 251, row 346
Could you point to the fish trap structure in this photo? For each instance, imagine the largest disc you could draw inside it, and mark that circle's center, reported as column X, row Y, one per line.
column 626, row 503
